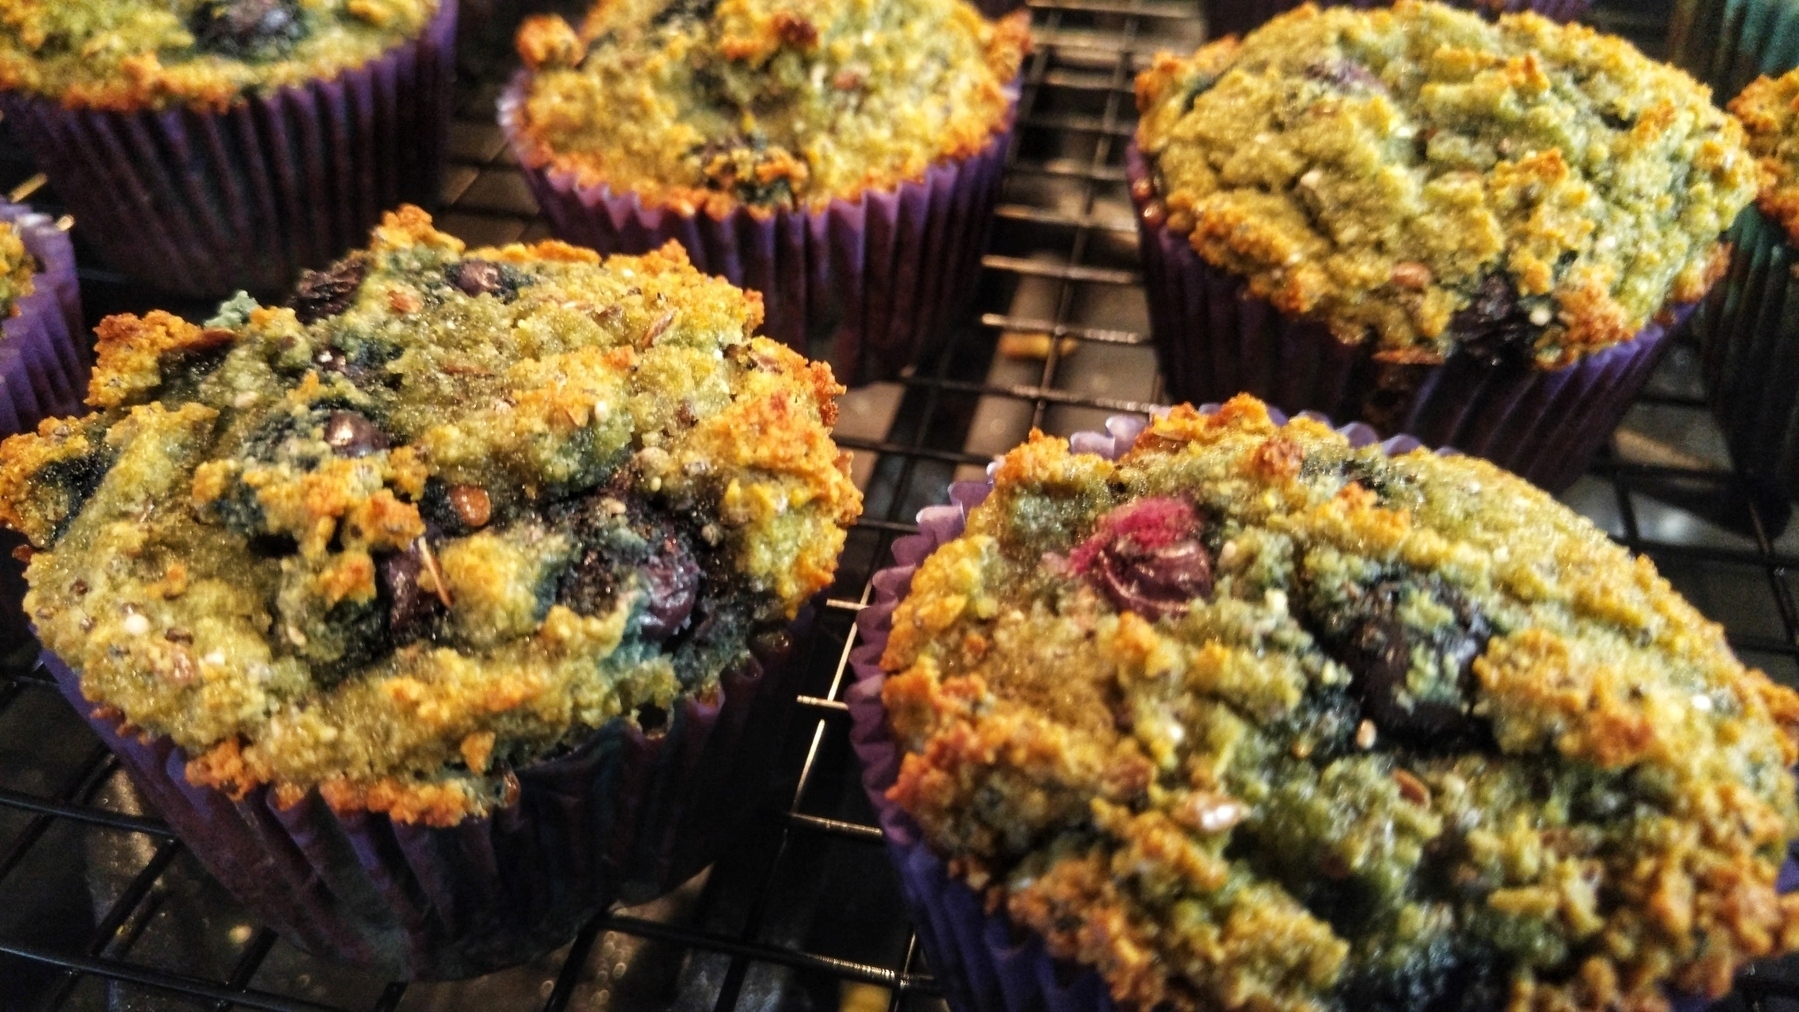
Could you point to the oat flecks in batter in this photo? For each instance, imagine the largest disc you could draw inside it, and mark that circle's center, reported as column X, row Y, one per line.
column 483, row 502
column 1420, row 737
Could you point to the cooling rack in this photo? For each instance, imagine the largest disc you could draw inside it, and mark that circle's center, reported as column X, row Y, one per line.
column 102, row 908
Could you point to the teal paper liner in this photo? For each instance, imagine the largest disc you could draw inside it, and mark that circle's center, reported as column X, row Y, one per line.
column 625, row 816
column 1728, row 43
column 1748, row 334
column 204, row 204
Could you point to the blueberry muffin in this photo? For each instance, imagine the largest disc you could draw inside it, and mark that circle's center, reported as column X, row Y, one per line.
column 1425, row 192
column 837, row 156
column 765, row 103
column 136, row 54
column 183, row 133
column 1228, row 17
column 442, row 516
column 1249, row 717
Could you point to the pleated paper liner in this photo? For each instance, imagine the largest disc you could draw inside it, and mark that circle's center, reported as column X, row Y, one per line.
column 626, row 816
column 203, row 204
column 1237, row 17
column 44, row 355
column 44, row 362
column 1728, row 43
column 1214, row 340
column 870, row 285
column 1748, row 332
column 983, row 961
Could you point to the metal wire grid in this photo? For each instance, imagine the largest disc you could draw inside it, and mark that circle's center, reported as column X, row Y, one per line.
column 100, row 906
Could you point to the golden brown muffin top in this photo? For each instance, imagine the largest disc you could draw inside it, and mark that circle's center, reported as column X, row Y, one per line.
column 1430, row 181
column 1250, row 718
column 151, row 54
column 765, row 103
column 440, row 517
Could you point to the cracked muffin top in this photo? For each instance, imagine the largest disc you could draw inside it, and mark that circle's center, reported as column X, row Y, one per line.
column 440, row 516
column 17, row 266
column 1434, row 182
column 136, row 54
column 1253, row 719
column 713, row 104
column 1767, row 109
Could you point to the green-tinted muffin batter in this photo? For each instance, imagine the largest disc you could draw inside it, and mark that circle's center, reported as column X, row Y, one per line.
column 1430, row 181
column 443, row 516
column 137, row 54
column 1250, row 719
column 769, row 103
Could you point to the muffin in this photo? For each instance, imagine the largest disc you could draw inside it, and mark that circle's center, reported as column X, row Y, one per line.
column 840, row 157
column 187, row 135
column 1234, row 17
column 1238, row 714
column 1728, row 43
column 1477, row 233
column 44, row 358
column 1747, row 328
column 465, row 563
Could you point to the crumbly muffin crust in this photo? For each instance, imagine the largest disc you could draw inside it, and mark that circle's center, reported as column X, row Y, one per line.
column 17, row 266
column 127, row 55
column 1254, row 719
column 439, row 517
column 1433, row 182
column 765, row 103
column 1769, row 109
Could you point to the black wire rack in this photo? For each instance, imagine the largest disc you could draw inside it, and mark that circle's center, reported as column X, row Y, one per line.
column 102, row 908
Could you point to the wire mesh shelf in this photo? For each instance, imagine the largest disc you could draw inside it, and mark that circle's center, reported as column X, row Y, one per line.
column 101, row 907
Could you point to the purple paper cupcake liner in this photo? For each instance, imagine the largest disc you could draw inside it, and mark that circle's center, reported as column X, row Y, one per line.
column 203, row 204
column 1236, row 17
column 869, row 285
column 44, row 363
column 1214, row 340
column 626, row 816
column 44, row 358
column 1748, row 332
column 983, row 961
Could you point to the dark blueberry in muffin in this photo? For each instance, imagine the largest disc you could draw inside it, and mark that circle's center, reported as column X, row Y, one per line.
column 1495, row 326
column 1413, row 681
column 351, row 434
column 247, row 29
column 326, row 293
column 484, row 277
